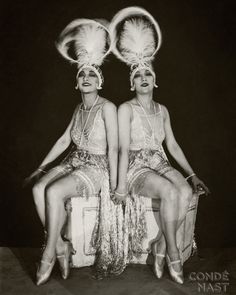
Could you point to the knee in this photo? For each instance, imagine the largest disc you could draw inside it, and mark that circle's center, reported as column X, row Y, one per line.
column 186, row 194
column 170, row 194
column 52, row 193
column 38, row 192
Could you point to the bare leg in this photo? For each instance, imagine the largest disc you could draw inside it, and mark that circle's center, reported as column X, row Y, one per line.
column 39, row 192
column 39, row 197
column 184, row 191
column 159, row 245
column 56, row 194
column 158, row 251
column 156, row 186
column 184, row 195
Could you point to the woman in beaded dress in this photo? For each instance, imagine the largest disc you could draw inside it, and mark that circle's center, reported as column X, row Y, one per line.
column 144, row 170
column 91, row 167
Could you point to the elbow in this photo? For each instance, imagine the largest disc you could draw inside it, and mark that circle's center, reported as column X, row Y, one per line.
column 64, row 142
column 173, row 148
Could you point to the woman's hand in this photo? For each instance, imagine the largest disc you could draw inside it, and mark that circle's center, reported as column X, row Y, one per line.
column 199, row 186
column 36, row 174
column 119, row 198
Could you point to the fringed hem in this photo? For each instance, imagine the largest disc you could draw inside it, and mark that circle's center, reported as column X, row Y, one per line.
column 118, row 233
column 108, row 235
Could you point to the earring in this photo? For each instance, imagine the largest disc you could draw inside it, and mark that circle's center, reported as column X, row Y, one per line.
column 77, row 83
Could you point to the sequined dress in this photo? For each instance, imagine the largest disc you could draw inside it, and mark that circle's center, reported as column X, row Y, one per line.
column 146, row 150
column 87, row 162
column 88, row 165
column 146, row 155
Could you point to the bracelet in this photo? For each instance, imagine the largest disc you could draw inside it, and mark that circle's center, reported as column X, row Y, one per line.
column 41, row 170
column 191, row 175
column 120, row 194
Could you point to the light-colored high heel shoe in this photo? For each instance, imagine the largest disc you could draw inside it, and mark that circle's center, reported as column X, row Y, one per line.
column 42, row 278
column 65, row 258
column 157, row 268
column 177, row 276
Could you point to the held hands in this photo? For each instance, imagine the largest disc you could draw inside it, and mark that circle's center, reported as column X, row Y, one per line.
column 199, row 186
column 118, row 197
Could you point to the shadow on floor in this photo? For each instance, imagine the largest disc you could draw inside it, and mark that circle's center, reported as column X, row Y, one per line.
column 18, row 266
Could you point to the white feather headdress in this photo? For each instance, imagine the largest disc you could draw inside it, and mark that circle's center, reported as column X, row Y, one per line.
column 136, row 38
column 89, row 41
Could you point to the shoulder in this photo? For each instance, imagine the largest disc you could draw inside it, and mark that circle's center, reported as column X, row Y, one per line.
column 77, row 108
column 125, row 107
column 163, row 109
column 108, row 110
column 125, row 110
column 107, row 105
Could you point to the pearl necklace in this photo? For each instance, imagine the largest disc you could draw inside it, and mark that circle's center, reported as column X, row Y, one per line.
column 86, row 122
column 146, row 115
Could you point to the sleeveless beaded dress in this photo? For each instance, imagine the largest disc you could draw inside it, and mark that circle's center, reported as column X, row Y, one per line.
column 146, row 150
column 146, row 155
column 87, row 163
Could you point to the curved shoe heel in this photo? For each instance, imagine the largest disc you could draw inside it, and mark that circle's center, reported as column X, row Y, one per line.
column 157, row 268
column 176, row 276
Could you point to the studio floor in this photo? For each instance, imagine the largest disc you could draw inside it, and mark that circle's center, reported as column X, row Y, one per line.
column 18, row 265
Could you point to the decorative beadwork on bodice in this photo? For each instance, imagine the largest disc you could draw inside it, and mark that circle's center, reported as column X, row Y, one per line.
column 93, row 138
column 142, row 136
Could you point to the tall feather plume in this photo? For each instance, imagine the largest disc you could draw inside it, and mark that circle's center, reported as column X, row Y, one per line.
column 139, row 37
column 89, row 39
column 90, row 45
column 137, row 41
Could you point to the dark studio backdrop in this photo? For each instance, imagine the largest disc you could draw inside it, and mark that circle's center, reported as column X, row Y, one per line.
column 195, row 68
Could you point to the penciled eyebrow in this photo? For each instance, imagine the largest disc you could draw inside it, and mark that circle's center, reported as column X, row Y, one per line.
column 90, row 72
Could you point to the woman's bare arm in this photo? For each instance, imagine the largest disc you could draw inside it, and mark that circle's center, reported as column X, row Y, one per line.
column 58, row 148
column 124, row 119
column 172, row 145
column 110, row 118
column 176, row 151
